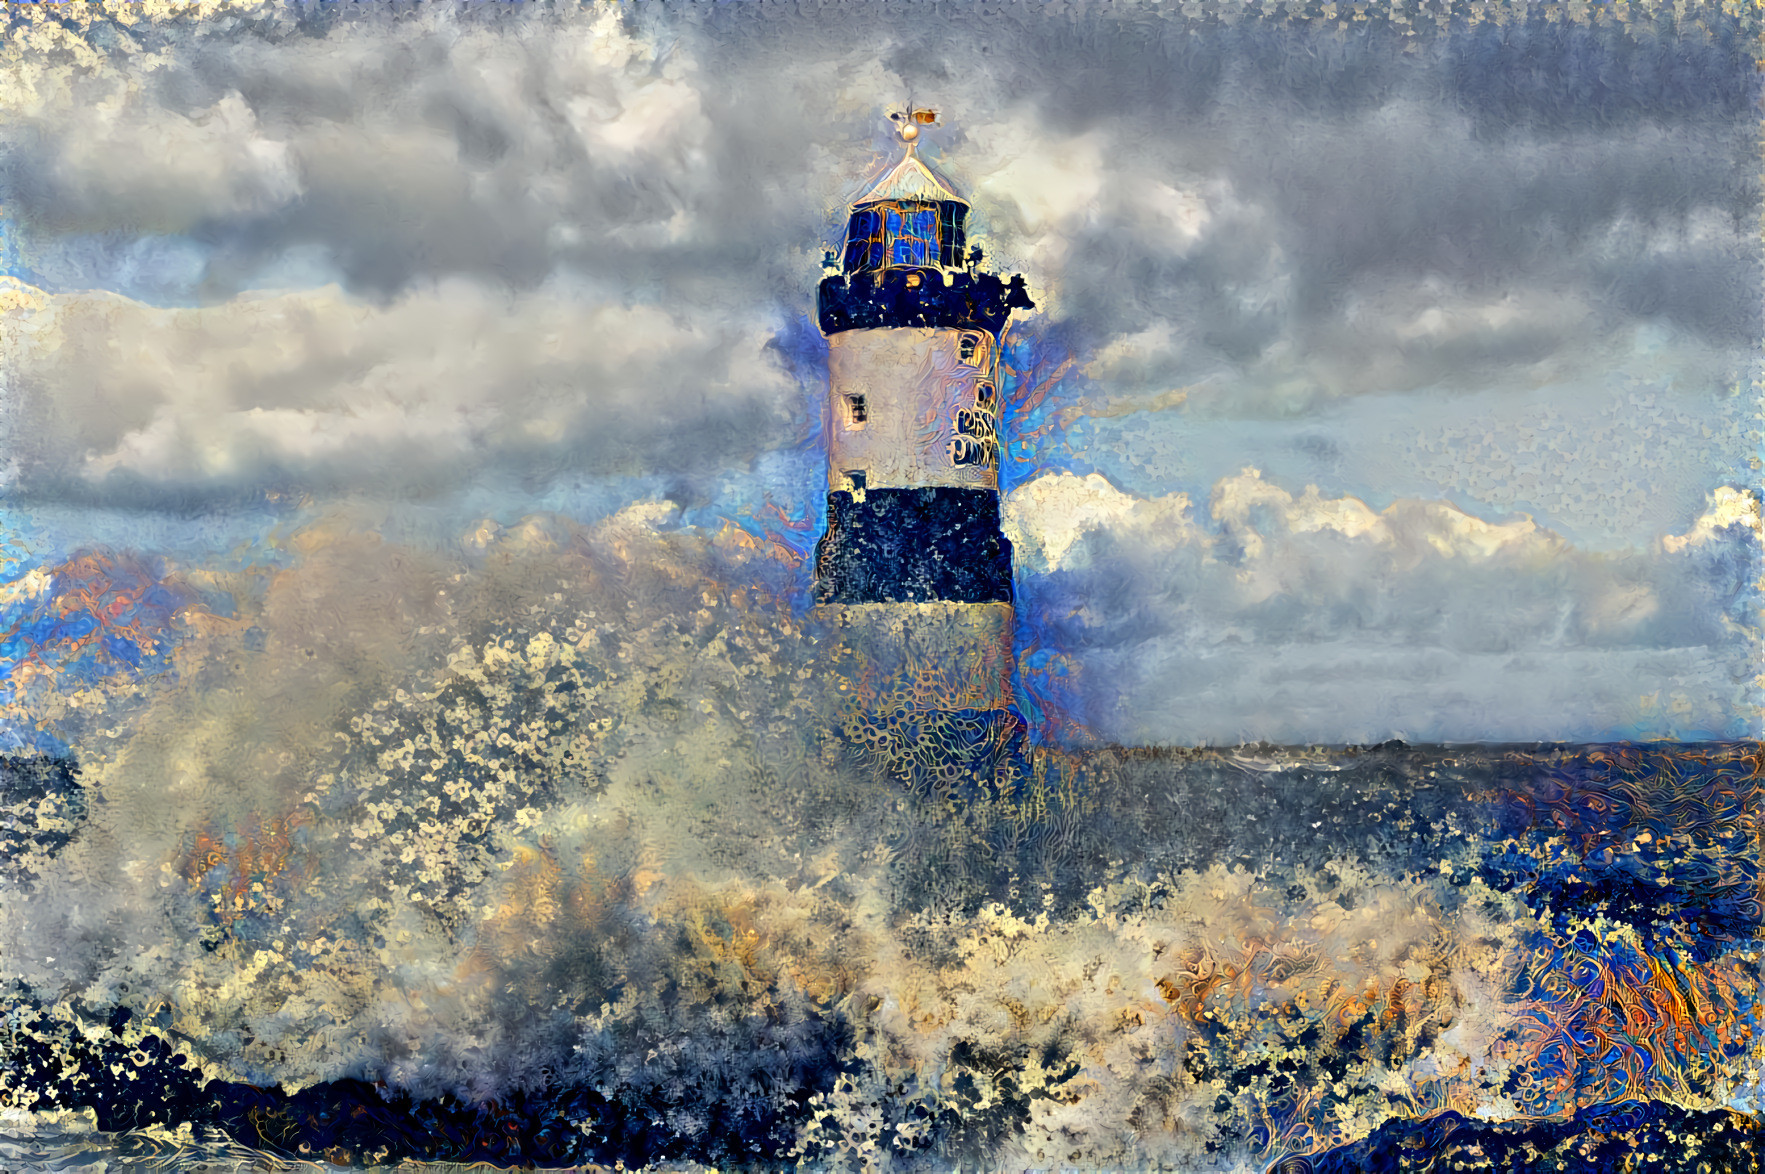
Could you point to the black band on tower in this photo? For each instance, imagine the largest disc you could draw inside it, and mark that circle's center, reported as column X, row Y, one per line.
column 902, row 297
column 914, row 546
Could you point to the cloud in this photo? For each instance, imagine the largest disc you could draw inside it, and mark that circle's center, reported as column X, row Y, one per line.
column 113, row 160
column 1397, row 251
column 1728, row 507
column 406, row 151
column 316, row 389
column 1190, row 628
column 1046, row 518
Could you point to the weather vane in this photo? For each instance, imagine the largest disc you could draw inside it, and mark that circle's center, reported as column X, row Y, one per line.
column 911, row 119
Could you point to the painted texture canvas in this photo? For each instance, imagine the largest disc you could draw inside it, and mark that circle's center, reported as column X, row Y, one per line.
column 886, row 587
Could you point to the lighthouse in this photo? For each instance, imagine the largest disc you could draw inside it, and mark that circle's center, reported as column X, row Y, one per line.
column 913, row 562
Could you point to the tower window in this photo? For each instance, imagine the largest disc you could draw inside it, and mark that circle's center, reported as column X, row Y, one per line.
column 856, row 412
column 983, row 394
column 971, row 349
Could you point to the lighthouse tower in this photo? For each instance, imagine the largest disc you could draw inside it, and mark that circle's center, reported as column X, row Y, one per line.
column 913, row 558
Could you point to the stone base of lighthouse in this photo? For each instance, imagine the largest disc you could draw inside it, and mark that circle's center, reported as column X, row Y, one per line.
column 923, row 657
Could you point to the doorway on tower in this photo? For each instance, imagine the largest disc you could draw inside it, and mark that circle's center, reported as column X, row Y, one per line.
column 855, row 482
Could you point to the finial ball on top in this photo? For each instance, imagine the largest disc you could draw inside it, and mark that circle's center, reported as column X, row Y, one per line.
column 906, row 120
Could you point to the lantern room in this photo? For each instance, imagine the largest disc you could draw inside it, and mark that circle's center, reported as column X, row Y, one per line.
column 909, row 219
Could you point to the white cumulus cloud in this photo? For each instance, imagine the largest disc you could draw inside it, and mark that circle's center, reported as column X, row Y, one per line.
column 1728, row 507
column 315, row 387
column 1297, row 616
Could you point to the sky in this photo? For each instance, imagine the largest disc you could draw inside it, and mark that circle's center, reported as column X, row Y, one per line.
column 1386, row 381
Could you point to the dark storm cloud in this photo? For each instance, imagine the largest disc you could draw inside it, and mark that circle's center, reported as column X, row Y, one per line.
column 1710, row 287
column 1350, row 181
column 1281, row 212
column 444, row 176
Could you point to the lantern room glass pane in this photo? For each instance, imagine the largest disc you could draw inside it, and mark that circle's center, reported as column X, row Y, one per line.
column 913, row 236
column 951, row 235
column 864, row 240
column 907, row 251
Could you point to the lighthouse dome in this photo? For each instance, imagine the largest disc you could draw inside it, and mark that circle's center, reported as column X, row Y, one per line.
column 910, row 179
